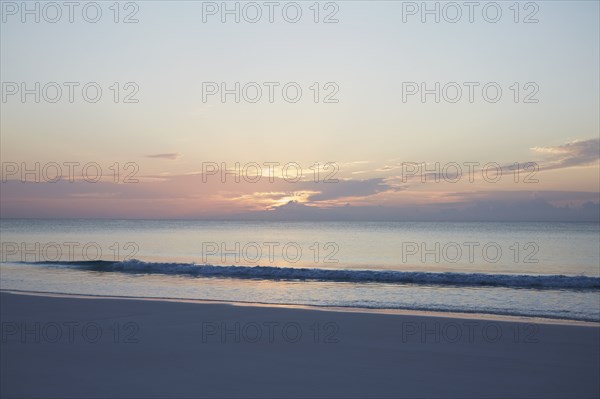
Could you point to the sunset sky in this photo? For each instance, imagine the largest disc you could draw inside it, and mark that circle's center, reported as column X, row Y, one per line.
column 170, row 133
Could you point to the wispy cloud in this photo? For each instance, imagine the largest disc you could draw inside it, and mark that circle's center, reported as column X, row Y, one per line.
column 575, row 153
column 572, row 154
column 173, row 156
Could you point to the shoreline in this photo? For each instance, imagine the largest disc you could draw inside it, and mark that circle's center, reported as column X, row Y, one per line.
column 323, row 308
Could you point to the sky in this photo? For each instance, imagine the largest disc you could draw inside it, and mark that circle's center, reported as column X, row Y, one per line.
column 375, row 141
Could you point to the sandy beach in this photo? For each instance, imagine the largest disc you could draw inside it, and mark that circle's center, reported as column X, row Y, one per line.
column 60, row 346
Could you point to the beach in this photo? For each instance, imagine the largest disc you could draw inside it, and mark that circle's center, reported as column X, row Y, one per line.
column 76, row 346
column 313, row 199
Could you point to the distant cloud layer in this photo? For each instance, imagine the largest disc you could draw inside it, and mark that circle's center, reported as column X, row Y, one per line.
column 484, row 210
column 195, row 195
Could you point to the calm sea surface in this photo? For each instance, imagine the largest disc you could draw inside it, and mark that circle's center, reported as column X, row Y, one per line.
column 536, row 269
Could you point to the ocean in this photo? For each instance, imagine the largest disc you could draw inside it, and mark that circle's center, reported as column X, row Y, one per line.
column 547, row 270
